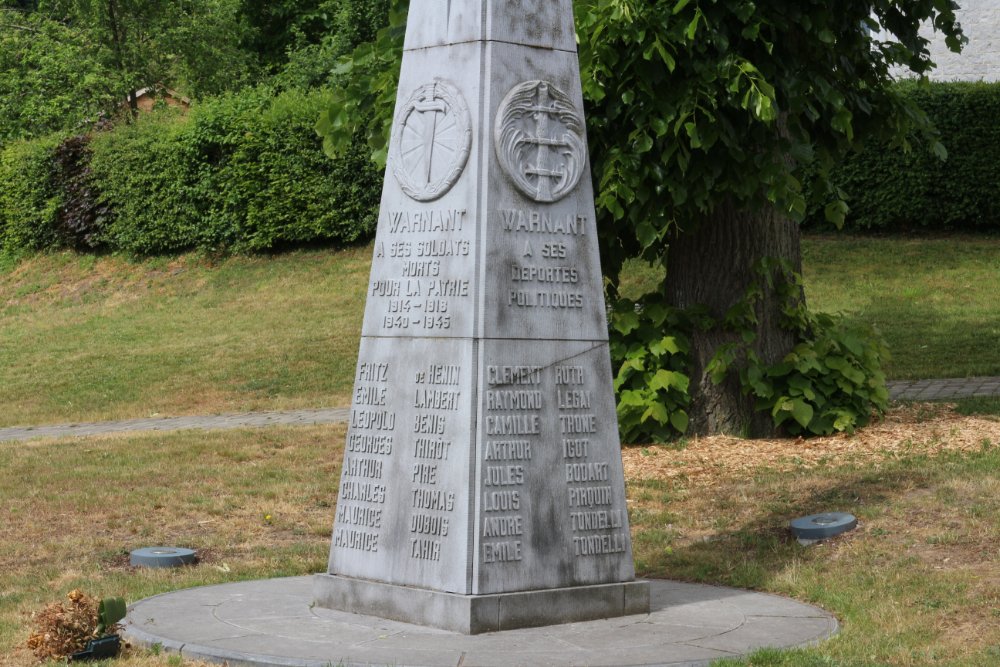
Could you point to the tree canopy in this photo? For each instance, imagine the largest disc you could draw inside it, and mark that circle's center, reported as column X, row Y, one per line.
column 714, row 123
column 50, row 78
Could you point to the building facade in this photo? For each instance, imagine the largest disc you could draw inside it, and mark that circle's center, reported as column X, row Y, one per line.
column 980, row 59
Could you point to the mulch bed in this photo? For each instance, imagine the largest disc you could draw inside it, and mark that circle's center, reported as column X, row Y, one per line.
column 907, row 430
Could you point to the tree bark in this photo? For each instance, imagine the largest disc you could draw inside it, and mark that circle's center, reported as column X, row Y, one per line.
column 713, row 266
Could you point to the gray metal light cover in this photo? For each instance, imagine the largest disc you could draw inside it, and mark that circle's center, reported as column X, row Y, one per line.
column 162, row 557
column 822, row 526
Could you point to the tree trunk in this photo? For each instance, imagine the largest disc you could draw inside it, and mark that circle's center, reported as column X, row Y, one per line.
column 713, row 266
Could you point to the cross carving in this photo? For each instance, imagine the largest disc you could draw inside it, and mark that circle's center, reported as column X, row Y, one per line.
column 542, row 113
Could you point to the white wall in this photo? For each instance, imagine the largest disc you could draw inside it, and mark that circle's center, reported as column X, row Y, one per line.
column 980, row 59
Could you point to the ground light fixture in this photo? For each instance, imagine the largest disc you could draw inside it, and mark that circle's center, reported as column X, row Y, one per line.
column 162, row 557
column 815, row 527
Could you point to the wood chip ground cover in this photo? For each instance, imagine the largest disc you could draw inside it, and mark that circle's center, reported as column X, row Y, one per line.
column 922, row 428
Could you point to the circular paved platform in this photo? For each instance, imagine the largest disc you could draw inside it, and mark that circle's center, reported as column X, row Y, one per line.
column 271, row 623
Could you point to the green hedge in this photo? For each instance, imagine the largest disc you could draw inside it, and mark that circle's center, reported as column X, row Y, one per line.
column 890, row 190
column 240, row 173
column 274, row 186
column 146, row 173
column 29, row 199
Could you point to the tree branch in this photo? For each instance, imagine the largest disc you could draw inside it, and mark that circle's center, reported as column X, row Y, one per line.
column 14, row 26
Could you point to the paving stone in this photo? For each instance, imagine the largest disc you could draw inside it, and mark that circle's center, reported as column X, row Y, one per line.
column 202, row 422
column 272, row 623
column 943, row 389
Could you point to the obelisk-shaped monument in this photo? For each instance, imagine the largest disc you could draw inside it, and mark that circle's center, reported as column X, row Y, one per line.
column 482, row 485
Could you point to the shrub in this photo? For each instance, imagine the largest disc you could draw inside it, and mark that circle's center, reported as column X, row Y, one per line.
column 890, row 189
column 273, row 186
column 242, row 173
column 150, row 181
column 81, row 217
column 650, row 353
column 832, row 381
column 29, row 197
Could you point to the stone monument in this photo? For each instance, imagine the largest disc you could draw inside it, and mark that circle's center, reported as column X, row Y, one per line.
column 482, row 485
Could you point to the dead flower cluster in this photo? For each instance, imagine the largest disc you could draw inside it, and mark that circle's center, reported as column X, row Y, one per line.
column 59, row 630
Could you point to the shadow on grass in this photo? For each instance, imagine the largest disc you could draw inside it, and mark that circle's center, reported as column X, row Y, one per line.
column 889, row 582
column 932, row 339
column 747, row 542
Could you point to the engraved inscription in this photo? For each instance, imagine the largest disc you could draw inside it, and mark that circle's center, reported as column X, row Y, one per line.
column 542, row 222
column 359, row 519
column 512, row 411
column 596, row 525
column 590, row 496
column 356, row 515
column 429, row 448
column 513, row 425
column 502, row 552
column 450, row 220
column 364, row 466
column 596, row 545
column 545, row 299
column 544, row 274
column 501, row 375
column 431, row 504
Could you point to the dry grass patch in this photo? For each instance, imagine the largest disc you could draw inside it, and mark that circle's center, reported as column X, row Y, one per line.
column 915, row 584
column 254, row 504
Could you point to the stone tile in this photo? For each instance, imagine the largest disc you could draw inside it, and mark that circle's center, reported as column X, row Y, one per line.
column 313, row 638
column 771, row 632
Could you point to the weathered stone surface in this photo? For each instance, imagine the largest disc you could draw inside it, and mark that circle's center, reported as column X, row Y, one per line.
column 476, row 614
column 546, row 24
column 482, row 456
column 275, row 623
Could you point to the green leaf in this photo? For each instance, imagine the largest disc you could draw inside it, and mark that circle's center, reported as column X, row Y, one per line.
column 665, row 344
column 836, row 213
column 692, row 132
column 665, row 56
column 692, row 28
column 643, row 143
column 679, row 420
column 645, row 233
column 801, row 411
column 625, row 323
column 679, row 7
column 939, row 150
column 665, row 379
column 658, row 412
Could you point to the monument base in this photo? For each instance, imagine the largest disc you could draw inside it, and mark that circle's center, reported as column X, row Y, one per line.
column 475, row 614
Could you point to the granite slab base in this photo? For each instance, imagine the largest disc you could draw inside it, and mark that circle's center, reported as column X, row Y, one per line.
column 274, row 623
column 476, row 614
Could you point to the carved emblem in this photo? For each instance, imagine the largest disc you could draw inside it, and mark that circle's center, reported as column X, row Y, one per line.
column 539, row 138
column 431, row 141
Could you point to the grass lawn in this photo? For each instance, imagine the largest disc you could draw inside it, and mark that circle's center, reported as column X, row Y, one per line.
column 936, row 300
column 918, row 583
column 87, row 339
